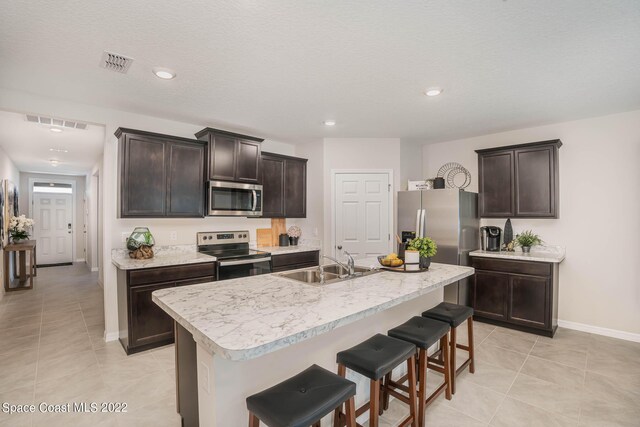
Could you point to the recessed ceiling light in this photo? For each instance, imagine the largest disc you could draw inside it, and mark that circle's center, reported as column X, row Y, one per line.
column 164, row 73
column 55, row 129
column 58, row 150
column 433, row 91
column 329, row 122
column 54, row 162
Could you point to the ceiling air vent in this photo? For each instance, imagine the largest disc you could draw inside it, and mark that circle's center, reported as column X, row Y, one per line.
column 115, row 62
column 50, row 121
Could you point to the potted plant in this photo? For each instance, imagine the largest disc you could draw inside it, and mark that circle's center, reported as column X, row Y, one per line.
column 526, row 239
column 294, row 233
column 19, row 228
column 140, row 243
column 425, row 248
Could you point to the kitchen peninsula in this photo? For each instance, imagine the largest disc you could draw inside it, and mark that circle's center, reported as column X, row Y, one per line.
column 236, row 337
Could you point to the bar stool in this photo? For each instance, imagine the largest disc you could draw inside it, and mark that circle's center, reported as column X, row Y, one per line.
column 303, row 400
column 455, row 315
column 374, row 358
column 424, row 333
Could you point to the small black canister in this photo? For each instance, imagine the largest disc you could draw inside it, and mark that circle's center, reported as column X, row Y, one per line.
column 438, row 182
column 283, row 239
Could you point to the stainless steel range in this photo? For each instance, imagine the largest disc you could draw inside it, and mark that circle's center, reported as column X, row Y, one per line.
column 235, row 258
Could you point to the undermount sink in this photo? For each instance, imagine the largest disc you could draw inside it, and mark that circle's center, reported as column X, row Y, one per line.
column 332, row 273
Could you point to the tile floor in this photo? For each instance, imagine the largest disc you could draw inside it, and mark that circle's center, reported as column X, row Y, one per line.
column 52, row 350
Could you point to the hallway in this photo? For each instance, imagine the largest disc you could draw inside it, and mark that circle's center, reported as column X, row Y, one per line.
column 53, row 335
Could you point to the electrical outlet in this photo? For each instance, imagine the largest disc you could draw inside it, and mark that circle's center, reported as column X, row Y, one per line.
column 173, row 236
column 315, row 232
column 124, row 236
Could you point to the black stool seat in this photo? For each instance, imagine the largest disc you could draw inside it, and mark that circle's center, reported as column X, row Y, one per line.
column 302, row 399
column 421, row 331
column 377, row 356
column 453, row 314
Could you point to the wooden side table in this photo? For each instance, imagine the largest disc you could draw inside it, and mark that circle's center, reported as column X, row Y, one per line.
column 20, row 250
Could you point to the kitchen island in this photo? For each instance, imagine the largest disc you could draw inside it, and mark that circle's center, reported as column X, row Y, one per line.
column 237, row 337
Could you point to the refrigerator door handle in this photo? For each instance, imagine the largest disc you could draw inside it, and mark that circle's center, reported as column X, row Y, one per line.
column 418, row 227
column 423, row 222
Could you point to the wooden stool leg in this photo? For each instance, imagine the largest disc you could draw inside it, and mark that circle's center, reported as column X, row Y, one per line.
column 253, row 420
column 342, row 371
column 411, row 371
column 385, row 395
column 316, row 424
column 374, row 402
column 351, row 412
column 452, row 360
column 472, row 367
column 422, row 385
column 448, row 373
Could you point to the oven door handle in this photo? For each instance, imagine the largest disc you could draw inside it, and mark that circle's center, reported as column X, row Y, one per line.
column 243, row 261
column 255, row 200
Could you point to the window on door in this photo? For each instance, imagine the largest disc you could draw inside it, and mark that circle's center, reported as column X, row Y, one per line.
column 51, row 187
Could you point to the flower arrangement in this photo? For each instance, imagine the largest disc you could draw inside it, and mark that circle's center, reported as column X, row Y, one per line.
column 294, row 231
column 19, row 227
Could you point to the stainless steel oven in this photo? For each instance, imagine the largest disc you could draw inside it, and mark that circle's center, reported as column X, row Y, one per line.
column 234, row 199
column 234, row 256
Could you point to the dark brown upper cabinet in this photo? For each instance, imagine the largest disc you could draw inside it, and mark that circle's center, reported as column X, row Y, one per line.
column 160, row 175
column 232, row 157
column 284, row 186
column 519, row 181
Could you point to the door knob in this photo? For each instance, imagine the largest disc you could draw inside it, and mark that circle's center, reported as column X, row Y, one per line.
column 339, row 247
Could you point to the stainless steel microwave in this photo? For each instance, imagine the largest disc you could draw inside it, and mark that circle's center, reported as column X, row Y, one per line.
column 234, row 199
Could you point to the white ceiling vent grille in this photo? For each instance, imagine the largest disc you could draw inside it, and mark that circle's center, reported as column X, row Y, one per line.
column 50, row 121
column 115, row 62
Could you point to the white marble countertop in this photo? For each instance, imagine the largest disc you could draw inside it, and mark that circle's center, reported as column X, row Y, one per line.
column 163, row 256
column 188, row 254
column 553, row 254
column 242, row 319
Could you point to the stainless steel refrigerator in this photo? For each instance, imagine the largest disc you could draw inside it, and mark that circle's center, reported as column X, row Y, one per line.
column 450, row 218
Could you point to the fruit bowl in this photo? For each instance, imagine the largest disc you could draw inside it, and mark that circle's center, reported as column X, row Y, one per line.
column 383, row 260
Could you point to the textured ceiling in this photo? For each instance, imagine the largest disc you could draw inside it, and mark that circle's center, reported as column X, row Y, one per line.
column 279, row 68
column 28, row 146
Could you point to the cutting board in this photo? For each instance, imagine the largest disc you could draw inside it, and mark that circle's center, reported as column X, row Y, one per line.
column 264, row 237
column 278, row 227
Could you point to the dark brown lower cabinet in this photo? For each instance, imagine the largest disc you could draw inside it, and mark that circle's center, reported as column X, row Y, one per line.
column 294, row 261
column 142, row 323
column 520, row 295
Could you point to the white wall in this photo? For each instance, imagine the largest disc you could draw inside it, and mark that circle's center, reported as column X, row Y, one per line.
column 353, row 154
column 599, row 220
column 113, row 227
column 79, row 199
column 8, row 170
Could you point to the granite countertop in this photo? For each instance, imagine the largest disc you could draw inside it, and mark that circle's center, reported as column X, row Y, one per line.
column 163, row 256
column 242, row 319
column 280, row 250
column 553, row 254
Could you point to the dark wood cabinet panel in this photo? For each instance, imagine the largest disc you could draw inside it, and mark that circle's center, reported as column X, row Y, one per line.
column 232, row 157
column 222, row 158
column 529, row 300
column 295, row 189
column 535, row 178
column 160, row 175
column 294, row 261
column 490, row 294
column 248, row 161
column 143, row 176
column 143, row 324
column 284, row 181
column 519, row 181
column 516, row 294
column 272, row 186
column 185, row 188
column 496, row 185
column 149, row 323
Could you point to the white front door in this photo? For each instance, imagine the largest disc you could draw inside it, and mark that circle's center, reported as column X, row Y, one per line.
column 52, row 227
column 362, row 203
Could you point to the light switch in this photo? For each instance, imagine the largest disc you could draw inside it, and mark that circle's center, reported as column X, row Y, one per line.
column 173, row 236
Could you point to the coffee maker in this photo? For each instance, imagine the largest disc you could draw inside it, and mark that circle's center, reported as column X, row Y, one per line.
column 490, row 238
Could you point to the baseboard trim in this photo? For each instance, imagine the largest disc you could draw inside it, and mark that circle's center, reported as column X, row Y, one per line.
column 613, row 333
column 111, row 336
column 80, row 260
column 95, row 269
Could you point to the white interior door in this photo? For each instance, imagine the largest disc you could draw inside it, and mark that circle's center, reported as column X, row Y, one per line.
column 52, row 227
column 362, row 203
